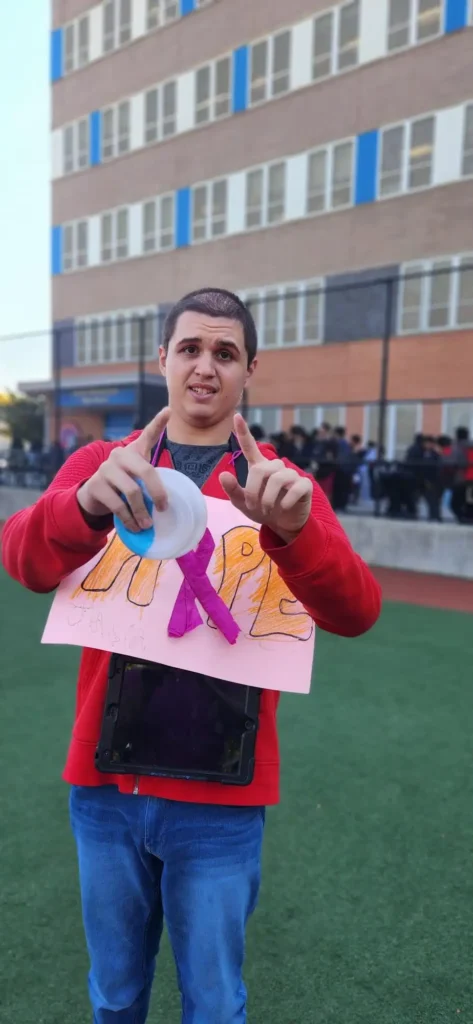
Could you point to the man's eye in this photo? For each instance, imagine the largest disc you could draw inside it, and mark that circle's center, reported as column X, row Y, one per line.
column 225, row 355
column 191, row 349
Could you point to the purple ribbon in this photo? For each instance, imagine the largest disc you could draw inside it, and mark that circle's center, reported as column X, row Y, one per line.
column 196, row 584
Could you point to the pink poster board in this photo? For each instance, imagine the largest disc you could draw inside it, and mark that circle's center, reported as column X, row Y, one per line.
column 122, row 603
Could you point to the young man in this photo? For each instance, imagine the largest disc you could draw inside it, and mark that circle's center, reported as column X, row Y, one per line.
column 172, row 849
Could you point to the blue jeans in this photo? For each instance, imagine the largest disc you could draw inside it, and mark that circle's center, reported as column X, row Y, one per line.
column 143, row 860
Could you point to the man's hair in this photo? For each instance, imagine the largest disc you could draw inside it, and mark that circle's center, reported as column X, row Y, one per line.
column 340, row 431
column 462, row 434
column 214, row 302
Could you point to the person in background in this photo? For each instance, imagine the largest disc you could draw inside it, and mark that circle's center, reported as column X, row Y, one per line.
column 324, row 455
column 257, row 432
column 431, row 470
column 343, row 471
column 358, row 452
column 462, row 463
column 300, row 448
column 447, row 473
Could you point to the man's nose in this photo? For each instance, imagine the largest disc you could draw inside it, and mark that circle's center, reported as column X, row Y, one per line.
column 205, row 366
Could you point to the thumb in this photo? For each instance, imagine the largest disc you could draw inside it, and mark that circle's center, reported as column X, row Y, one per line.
column 233, row 490
column 152, row 432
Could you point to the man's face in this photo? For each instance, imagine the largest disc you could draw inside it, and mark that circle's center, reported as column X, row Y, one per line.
column 206, row 368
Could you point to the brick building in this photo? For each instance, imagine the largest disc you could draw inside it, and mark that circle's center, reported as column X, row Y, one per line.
column 302, row 155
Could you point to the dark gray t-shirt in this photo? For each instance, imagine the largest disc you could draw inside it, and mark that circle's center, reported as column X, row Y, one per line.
column 196, row 461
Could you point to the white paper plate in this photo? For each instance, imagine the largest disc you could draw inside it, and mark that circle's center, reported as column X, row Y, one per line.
column 176, row 531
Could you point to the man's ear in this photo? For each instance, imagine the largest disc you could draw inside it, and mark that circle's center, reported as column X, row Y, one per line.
column 251, row 369
column 162, row 360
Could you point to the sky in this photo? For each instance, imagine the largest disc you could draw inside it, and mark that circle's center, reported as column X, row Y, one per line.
column 24, row 189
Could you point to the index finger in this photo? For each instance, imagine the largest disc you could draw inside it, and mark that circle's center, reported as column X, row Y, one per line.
column 247, row 442
column 152, row 432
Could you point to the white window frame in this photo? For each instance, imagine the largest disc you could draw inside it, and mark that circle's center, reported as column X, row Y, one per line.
column 320, row 414
column 338, row 48
column 391, row 424
column 81, row 166
column 127, row 317
column 123, row 138
column 69, row 133
column 83, row 50
column 332, row 13
column 413, row 27
column 70, row 57
column 114, row 241
column 112, row 109
column 269, row 77
column 407, row 126
column 158, row 202
column 467, row 419
column 329, row 152
column 79, row 259
column 152, row 127
column 256, row 416
column 211, row 103
column 455, row 261
column 162, row 118
column 265, row 168
column 467, row 152
column 207, row 223
column 260, row 298
column 109, row 38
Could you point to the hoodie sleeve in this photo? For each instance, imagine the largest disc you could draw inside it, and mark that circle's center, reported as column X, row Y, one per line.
column 325, row 574
column 45, row 542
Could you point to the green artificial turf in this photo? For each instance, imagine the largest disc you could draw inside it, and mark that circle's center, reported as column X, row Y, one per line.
column 366, row 911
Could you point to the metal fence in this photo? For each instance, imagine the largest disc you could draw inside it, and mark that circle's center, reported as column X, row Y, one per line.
column 109, row 361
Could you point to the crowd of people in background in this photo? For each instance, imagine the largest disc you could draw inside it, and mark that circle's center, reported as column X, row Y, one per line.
column 435, row 470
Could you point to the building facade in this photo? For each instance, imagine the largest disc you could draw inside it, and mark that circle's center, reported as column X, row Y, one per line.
column 316, row 159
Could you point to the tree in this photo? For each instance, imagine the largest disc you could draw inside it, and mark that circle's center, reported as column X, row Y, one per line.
column 24, row 417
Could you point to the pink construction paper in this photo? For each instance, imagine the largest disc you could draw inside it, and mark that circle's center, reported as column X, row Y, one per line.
column 121, row 603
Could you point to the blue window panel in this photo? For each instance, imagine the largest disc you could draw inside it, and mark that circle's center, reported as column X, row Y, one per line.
column 366, row 167
column 183, row 217
column 456, row 15
column 56, row 249
column 56, row 54
column 240, row 80
column 95, row 138
column 187, row 6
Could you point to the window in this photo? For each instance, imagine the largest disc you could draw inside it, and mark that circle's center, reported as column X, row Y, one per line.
column 170, row 10
column 399, row 24
column 271, row 319
column 411, row 300
column 202, row 95
column 81, row 343
column 429, row 19
column 124, row 127
column 348, row 35
column 222, row 87
column 439, row 292
column 108, row 26
column 317, row 182
column 125, row 22
column 68, row 247
column 83, row 32
column 122, row 234
column 281, row 58
column 254, row 199
column 166, row 224
column 68, row 149
column 152, row 116
column 143, row 325
column 467, row 164
column 342, row 174
column 209, row 210
column 287, row 315
column 312, row 416
column 69, row 48
column 121, row 337
column 75, row 245
column 107, row 340
column 153, row 15
column 218, row 214
column 403, row 424
column 108, row 134
column 421, row 153
column 464, row 311
column 82, row 235
column 371, row 425
column 106, row 237
column 312, row 300
column 392, row 161
column 82, row 143
column 199, row 213
column 276, row 192
column 259, row 72
column 169, row 109
column 94, row 341
column 455, row 415
column 322, row 46
column 290, row 317
column 149, row 226
column 269, row 418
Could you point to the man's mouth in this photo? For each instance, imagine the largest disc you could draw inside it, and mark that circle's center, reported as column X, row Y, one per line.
column 202, row 389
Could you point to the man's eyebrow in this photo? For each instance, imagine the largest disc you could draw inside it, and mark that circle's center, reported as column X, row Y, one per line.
column 220, row 341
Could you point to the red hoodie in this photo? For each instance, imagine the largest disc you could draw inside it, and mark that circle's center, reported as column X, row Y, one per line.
column 44, row 543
